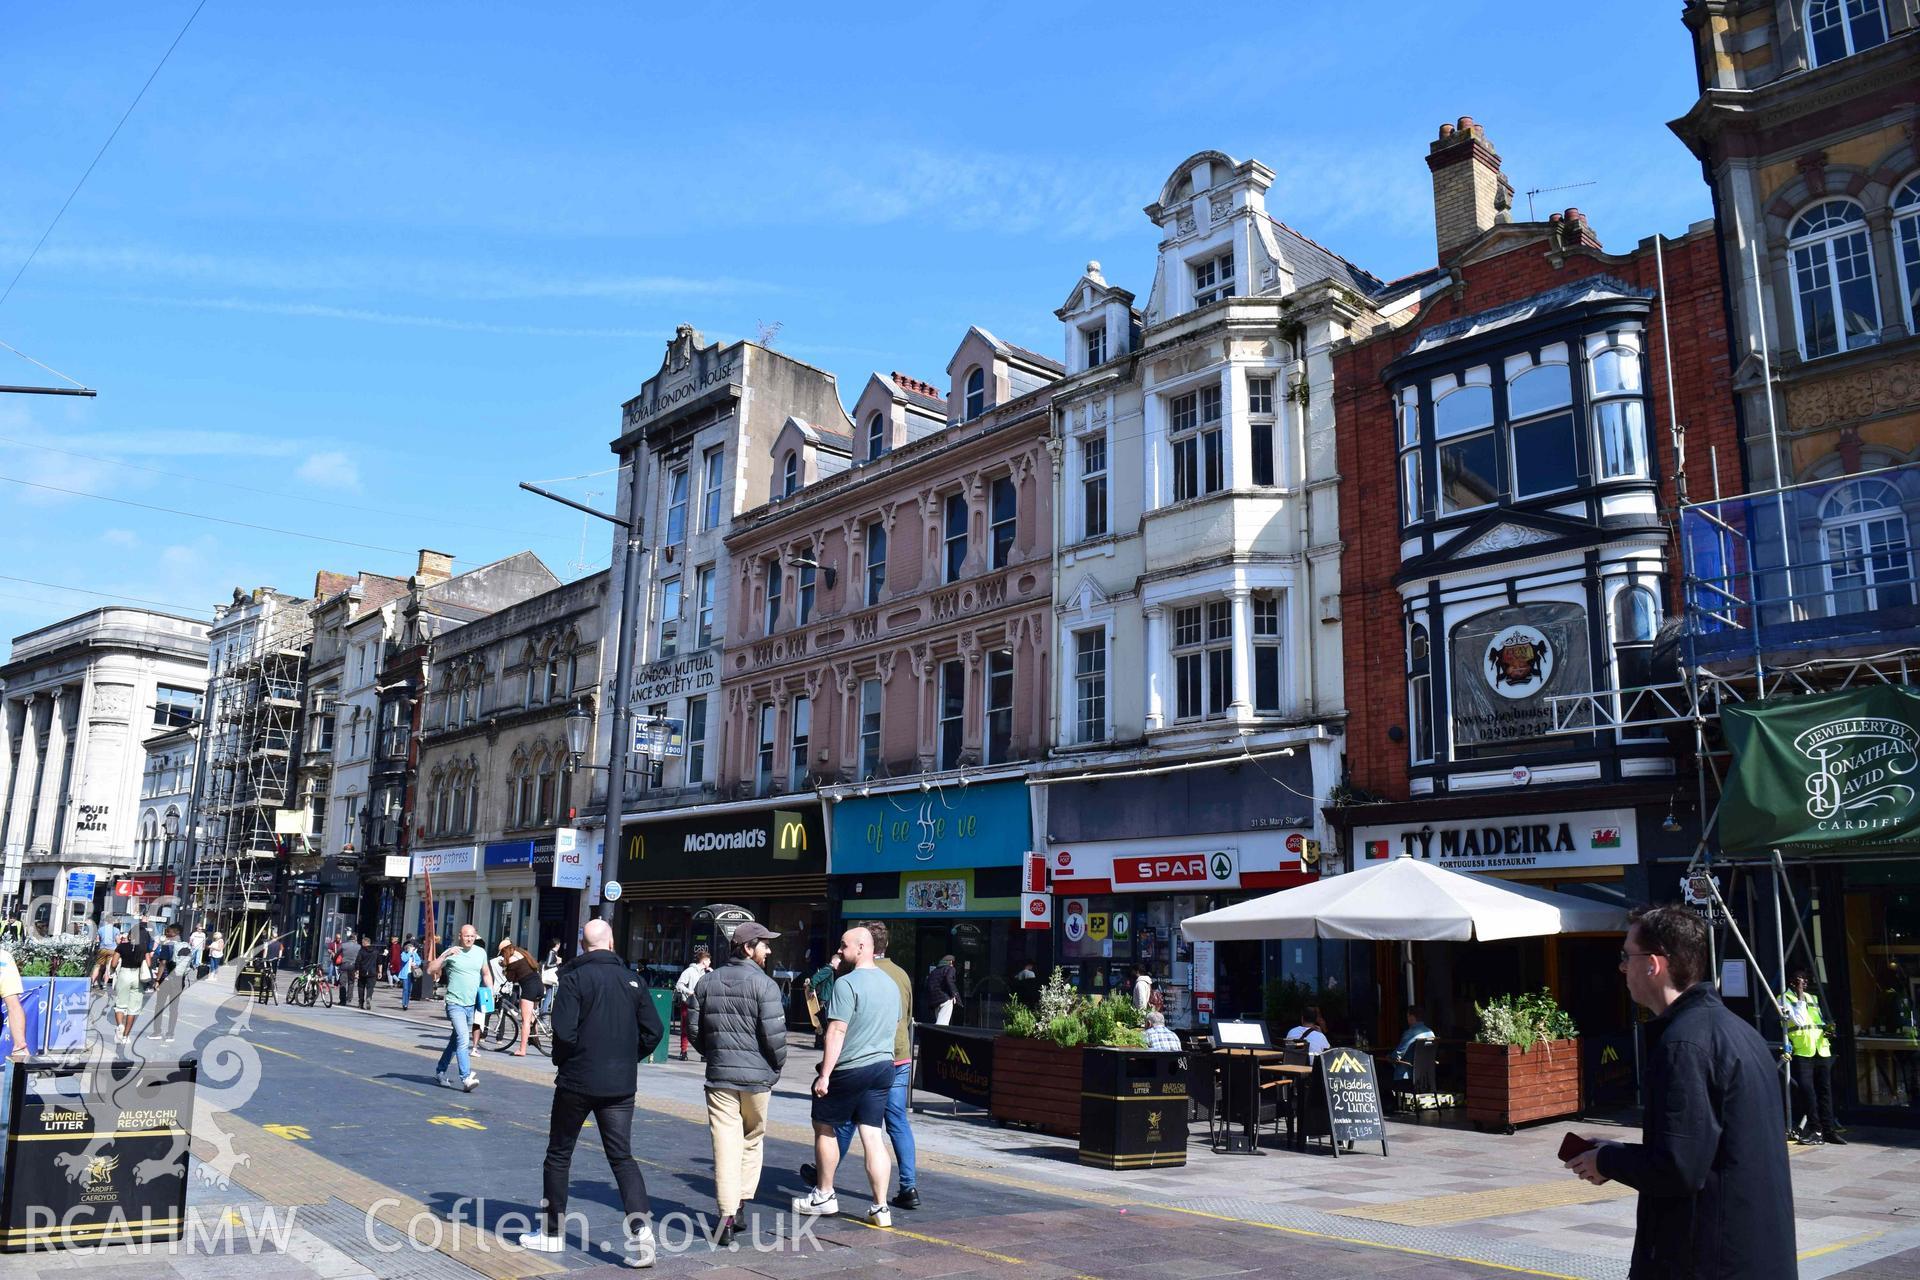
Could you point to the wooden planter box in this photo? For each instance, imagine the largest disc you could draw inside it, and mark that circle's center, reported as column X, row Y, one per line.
column 1506, row 1087
column 1036, row 1083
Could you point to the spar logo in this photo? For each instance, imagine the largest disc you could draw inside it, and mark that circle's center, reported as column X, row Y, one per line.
column 1860, row 766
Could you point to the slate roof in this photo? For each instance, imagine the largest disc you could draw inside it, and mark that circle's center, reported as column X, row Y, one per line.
column 1311, row 261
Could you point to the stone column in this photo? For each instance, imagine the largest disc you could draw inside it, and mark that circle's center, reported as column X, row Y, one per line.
column 54, row 768
column 1156, row 668
column 6, row 758
column 1241, row 706
column 21, row 810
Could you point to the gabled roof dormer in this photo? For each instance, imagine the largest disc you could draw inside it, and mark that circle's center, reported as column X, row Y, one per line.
column 1100, row 321
column 985, row 372
column 804, row 453
column 893, row 411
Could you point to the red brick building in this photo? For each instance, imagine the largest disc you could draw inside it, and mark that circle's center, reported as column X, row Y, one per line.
column 1508, row 470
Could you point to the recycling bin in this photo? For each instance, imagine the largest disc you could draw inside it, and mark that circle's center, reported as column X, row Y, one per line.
column 1133, row 1108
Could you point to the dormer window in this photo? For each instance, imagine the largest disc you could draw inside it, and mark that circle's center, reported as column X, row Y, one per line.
column 976, row 392
column 876, row 436
column 1837, row 28
column 1096, row 345
column 1213, row 279
column 790, row 475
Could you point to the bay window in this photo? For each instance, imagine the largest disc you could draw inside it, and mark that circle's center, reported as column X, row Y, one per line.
column 1419, row 694
column 1468, row 452
column 1261, row 427
column 1266, row 653
column 1199, row 461
column 1410, row 490
column 1202, row 660
column 1615, row 390
column 1546, row 455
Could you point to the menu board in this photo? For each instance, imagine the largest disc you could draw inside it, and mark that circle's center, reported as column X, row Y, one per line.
column 1353, row 1098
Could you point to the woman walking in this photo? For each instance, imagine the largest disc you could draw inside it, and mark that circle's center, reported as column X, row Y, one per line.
column 130, row 974
column 216, row 951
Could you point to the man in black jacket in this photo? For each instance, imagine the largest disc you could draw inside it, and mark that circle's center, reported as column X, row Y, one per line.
column 603, row 1025
column 739, row 1024
column 1716, row 1199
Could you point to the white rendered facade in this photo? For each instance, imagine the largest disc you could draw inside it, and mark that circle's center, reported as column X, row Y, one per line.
column 81, row 697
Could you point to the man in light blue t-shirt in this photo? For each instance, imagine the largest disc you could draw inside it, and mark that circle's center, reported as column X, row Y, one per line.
column 463, row 965
column 856, row 1075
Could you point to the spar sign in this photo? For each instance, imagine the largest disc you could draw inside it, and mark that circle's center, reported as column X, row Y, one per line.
column 1827, row 773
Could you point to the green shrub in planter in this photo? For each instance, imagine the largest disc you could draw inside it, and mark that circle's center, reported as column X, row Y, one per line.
column 1524, row 1020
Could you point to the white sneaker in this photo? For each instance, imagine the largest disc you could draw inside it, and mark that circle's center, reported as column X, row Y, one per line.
column 879, row 1215
column 471, row 1083
column 447, row 1082
column 640, row 1248
column 817, row 1202
column 540, row 1242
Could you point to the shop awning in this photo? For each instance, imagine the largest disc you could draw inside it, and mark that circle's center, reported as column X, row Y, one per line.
column 1407, row 900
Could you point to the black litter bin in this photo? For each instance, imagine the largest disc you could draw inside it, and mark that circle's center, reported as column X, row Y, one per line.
column 1133, row 1108
column 256, row 979
column 96, row 1154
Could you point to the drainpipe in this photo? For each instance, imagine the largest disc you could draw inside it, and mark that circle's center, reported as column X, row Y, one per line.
column 1306, row 532
column 1055, row 448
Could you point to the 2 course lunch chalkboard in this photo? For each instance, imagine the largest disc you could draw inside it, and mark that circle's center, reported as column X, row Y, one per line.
column 1353, row 1098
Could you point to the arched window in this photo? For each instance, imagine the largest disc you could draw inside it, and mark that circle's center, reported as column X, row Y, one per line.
column 1833, row 285
column 548, row 794
column 1836, row 28
column 1863, row 543
column 1636, row 617
column 790, row 474
column 459, row 799
column 876, row 436
column 573, row 663
column 1419, row 694
column 473, row 797
column 533, row 675
column 976, row 392
column 552, row 682
column 1906, row 234
column 437, row 803
column 149, row 837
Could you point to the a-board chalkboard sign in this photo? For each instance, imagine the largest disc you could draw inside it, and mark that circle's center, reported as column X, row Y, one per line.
column 1352, row 1095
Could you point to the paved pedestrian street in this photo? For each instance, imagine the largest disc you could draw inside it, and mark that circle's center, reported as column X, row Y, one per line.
column 339, row 1156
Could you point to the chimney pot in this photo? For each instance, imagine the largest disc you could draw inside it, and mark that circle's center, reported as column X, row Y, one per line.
column 1573, row 215
column 1553, row 217
column 1446, row 131
column 1466, row 123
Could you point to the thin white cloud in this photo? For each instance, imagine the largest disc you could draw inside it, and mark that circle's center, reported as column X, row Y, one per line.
column 126, row 539
column 331, row 469
column 364, row 315
column 348, row 273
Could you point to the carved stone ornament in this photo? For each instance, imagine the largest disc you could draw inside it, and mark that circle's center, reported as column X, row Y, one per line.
column 1221, row 205
column 1856, row 394
column 1504, row 537
column 1186, row 223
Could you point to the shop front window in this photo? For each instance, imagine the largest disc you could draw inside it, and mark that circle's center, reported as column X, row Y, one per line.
column 1883, row 984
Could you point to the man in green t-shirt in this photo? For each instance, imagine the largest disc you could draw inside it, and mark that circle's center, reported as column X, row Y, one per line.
column 856, row 1075
column 463, row 964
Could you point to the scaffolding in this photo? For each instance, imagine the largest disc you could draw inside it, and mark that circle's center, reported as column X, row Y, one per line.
column 254, row 701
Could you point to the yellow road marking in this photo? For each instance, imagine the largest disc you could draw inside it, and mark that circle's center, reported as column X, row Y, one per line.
column 1369, row 1244
column 1838, row 1245
column 1494, row 1202
column 456, row 1122
column 968, row 1249
column 291, row 1132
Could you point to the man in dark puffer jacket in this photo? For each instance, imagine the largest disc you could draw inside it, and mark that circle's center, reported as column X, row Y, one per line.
column 738, row 1023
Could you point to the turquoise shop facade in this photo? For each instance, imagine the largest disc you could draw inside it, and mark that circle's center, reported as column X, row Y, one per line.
column 941, row 865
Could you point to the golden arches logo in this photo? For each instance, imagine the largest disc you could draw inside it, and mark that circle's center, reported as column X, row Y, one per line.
column 1347, row 1064
column 636, row 848
column 793, row 835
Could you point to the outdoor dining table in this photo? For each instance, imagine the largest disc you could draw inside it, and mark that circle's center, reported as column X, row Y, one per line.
column 1265, row 1062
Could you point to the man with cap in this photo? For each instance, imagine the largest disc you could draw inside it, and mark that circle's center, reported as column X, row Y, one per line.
column 738, row 1023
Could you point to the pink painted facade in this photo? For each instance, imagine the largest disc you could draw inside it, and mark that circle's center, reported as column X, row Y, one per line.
column 909, row 625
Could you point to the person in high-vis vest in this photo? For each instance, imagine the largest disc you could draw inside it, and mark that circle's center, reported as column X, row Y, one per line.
column 1808, row 1040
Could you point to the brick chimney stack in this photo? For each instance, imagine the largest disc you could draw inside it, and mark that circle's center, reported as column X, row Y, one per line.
column 1470, row 194
column 435, row 567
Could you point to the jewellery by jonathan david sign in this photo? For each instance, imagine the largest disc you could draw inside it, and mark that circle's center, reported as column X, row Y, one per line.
column 1828, row 773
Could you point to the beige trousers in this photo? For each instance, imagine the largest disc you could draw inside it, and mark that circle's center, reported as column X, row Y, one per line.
column 737, row 1121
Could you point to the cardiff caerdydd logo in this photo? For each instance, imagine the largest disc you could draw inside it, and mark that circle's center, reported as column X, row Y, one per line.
column 1860, row 766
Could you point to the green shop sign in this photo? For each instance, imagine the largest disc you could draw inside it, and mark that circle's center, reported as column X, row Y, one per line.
column 1828, row 773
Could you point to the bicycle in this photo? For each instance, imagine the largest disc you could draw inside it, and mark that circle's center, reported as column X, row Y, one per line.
column 503, row 1026
column 310, row 987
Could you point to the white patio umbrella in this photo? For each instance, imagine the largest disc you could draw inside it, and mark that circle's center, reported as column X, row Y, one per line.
column 1407, row 900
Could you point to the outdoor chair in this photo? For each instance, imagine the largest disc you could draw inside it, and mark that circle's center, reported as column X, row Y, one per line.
column 1421, row 1092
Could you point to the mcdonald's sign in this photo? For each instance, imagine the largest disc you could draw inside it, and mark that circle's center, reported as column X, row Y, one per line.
column 765, row 842
column 790, row 835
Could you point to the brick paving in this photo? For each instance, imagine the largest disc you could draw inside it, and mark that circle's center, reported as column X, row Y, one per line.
column 1447, row 1201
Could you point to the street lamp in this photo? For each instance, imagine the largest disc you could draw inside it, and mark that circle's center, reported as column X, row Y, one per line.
column 579, row 724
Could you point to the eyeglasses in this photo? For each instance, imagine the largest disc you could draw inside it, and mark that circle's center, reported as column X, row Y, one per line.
column 1625, row 955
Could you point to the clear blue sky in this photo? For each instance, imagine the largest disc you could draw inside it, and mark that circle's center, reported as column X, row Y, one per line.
column 399, row 256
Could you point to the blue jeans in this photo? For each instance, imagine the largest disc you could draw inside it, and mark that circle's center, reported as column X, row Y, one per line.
column 899, row 1132
column 406, row 988
column 461, row 1017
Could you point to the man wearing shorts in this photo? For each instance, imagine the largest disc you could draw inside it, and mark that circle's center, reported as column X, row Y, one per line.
column 856, row 1075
